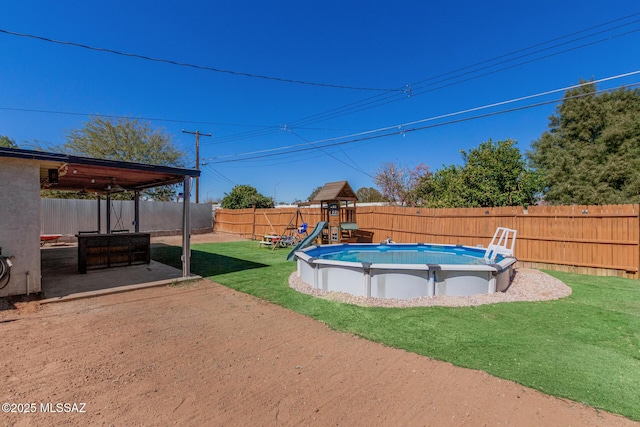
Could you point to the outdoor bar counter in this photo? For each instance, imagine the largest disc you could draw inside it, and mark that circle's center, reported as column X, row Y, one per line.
column 112, row 250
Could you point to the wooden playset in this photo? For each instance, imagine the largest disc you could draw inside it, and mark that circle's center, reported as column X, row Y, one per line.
column 295, row 230
column 338, row 208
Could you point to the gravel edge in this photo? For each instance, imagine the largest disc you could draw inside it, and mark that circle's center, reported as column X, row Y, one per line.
column 527, row 285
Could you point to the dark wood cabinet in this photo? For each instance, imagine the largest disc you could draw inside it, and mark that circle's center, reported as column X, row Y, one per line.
column 113, row 250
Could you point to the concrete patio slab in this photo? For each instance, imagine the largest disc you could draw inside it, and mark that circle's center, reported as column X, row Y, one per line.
column 61, row 280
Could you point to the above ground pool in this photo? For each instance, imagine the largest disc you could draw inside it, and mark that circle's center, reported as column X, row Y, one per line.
column 403, row 271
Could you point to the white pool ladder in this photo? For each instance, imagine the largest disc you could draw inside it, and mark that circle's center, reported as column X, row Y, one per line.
column 503, row 242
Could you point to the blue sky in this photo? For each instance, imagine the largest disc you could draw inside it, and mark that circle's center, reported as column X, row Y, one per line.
column 359, row 44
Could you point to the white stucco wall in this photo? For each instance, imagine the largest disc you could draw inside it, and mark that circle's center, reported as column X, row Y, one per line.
column 20, row 223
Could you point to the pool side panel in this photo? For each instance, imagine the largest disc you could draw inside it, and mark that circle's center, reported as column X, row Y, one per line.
column 405, row 284
column 503, row 278
column 404, row 281
column 341, row 278
column 306, row 272
column 463, row 283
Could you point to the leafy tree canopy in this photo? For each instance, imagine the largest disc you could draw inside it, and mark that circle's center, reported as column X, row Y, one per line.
column 442, row 189
column 369, row 195
column 493, row 174
column 129, row 140
column 245, row 196
column 7, row 142
column 591, row 152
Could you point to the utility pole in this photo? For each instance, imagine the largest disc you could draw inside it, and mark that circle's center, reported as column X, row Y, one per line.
column 197, row 134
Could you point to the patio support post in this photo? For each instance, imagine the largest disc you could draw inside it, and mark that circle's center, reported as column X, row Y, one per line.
column 136, row 204
column 186, row 228
column 108, row 213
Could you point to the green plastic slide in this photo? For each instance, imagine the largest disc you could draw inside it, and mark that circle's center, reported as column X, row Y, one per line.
column 308, row 241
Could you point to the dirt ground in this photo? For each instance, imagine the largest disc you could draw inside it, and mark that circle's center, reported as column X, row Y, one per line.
column 202, row 354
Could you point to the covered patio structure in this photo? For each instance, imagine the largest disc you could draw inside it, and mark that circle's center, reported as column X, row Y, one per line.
column 29, row 171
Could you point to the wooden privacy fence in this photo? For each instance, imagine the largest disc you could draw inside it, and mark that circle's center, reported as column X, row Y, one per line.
column 602, row 240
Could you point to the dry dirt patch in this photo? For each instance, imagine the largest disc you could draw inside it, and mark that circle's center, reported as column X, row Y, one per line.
column 203, row 354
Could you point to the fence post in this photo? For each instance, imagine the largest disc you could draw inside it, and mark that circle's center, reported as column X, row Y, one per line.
column 253, row 230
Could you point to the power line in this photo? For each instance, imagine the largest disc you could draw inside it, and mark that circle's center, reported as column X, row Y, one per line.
column 541, row 44
column 354, row 166
column 391, row 99
column 405, row 131
column 289, row 158
column 529, row 61
column 438, row 117
column 371, row 102
column 354, row 163
column 155, row 119
column 184, row 64
column 220, row 176
column 375, row 101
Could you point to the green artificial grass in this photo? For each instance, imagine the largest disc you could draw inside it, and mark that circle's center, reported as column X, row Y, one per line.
column 585, row 347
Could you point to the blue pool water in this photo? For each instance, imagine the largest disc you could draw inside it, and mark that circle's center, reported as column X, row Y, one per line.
column 403, row 254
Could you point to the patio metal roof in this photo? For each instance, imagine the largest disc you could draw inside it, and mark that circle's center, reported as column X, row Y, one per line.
column 101, row 176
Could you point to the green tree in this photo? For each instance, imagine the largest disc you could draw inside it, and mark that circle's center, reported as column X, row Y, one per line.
column 7, row 142
column 245, row 196
column 493, row 174
column 441, row 190
column 591, row 152
column 368, row 195
column 129, row 140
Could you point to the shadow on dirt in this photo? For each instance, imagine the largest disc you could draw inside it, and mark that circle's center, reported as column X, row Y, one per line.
column 18, row 303
column 204, row 264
